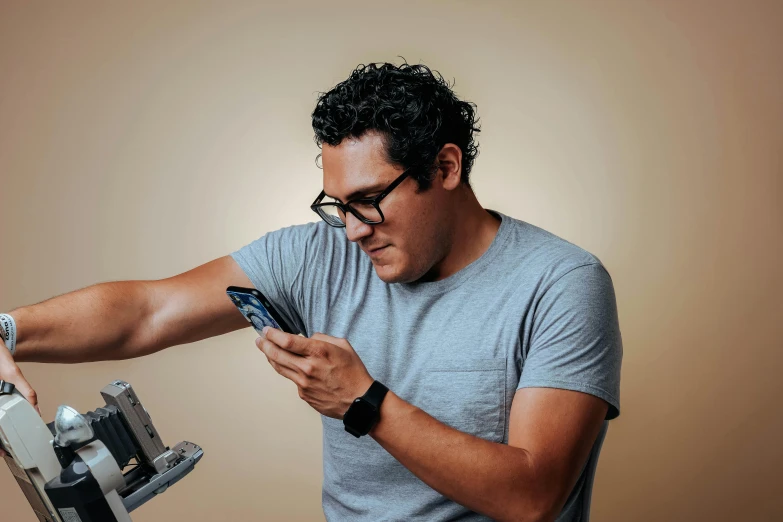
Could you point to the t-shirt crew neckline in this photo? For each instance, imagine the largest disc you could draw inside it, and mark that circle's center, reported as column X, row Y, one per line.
column 479, row 265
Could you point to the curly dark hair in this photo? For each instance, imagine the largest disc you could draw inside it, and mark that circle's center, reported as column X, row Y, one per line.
column 413, row 109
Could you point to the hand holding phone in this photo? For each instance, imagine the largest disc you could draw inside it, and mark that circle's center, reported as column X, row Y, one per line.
column 257, row 309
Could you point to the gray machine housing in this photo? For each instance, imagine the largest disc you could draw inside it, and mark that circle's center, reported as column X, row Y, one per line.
column 73, row 469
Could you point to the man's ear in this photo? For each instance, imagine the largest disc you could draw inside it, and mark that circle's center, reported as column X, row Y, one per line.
column 450, row 166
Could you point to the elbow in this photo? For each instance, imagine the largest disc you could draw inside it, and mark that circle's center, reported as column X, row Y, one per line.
column 529, row 515
column 534, row 504
column 544, row 516
column 545, row 507
column 532, row 513
column 534, row 496
column 529, row 506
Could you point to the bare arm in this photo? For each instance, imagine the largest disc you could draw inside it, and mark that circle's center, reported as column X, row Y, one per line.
column 551, row 433
column 126, row 319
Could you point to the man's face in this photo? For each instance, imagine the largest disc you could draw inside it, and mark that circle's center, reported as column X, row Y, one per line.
column 414, row 233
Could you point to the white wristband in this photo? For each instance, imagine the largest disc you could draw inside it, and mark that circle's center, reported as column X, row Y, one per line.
column 8, row 331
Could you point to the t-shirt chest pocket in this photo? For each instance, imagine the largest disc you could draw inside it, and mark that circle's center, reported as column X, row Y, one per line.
column 466, row 394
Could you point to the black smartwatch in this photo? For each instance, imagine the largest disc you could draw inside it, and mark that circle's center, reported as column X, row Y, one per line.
column 365, row 411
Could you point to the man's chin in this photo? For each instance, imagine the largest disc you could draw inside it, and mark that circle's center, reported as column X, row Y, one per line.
column 388, row 274
column 391, row 274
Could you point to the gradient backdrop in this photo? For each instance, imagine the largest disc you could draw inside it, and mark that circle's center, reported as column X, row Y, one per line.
column 141, row 139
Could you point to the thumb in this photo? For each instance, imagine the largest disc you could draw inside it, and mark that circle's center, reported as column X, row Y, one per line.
column 26, row 390
column 339, row 341
column 10, row 372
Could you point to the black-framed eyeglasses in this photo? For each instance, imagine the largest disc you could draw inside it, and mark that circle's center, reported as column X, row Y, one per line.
column 366, row 210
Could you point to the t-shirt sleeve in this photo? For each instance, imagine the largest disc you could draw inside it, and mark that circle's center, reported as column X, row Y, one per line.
column 575, row 342
column 276, row 263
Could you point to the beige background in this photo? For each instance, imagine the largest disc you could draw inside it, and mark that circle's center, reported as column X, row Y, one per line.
column 140, row 139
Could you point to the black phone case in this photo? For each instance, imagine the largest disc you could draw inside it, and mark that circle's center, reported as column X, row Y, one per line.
column 243, row 298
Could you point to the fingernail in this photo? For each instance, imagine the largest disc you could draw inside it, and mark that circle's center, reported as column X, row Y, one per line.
column 265, row 329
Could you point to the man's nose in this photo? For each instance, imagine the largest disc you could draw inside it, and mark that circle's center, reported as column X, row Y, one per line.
column 355, row 229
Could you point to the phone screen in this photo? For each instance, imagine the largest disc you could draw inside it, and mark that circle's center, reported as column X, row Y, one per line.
column 251, row 302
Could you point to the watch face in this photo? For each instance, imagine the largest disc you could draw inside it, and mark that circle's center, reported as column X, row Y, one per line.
column 361, row 416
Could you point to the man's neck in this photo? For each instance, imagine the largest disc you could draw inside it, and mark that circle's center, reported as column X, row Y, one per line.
column 472, row 236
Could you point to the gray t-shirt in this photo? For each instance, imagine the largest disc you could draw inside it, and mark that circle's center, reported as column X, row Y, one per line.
column 533, row 311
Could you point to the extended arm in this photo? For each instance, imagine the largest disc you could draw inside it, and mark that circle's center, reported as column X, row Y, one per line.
column 125, row 319
column 551, row 433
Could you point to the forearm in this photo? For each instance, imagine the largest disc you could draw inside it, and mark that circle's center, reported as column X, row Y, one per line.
column 100, row 322
column 490, row 478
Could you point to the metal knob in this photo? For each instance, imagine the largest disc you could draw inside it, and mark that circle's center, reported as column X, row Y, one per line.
column 71, row 427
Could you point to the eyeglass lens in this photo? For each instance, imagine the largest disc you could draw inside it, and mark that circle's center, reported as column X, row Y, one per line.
column 335, row 215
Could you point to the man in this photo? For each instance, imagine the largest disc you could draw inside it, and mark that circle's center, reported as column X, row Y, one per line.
column 497, row 341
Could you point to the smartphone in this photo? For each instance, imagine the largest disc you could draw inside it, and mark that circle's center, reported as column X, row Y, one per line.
column 256, row 308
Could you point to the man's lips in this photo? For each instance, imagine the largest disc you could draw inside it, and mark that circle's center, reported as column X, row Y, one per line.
column 376, row 250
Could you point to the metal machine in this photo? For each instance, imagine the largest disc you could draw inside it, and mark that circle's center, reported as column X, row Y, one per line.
column 96, row 467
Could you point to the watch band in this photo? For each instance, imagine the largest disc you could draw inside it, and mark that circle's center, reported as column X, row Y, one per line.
column 375, row 394
column 365, row 411
column 8, row 331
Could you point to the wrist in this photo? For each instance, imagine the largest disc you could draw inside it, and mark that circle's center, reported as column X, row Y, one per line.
column 364, row 412
column 364, row 387
column 395, row 411
column 8, row 332
column 383, row 414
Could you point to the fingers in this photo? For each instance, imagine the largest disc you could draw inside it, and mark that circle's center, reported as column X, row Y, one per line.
column 337, row 341
column 292, row 373
column 10, row 372
column 289, row 374
column 289, row 342
column 279, row 356
column 27, row 391
column 323, row 337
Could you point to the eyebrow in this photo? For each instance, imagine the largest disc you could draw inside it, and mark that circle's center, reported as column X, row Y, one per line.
column 361, row 192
